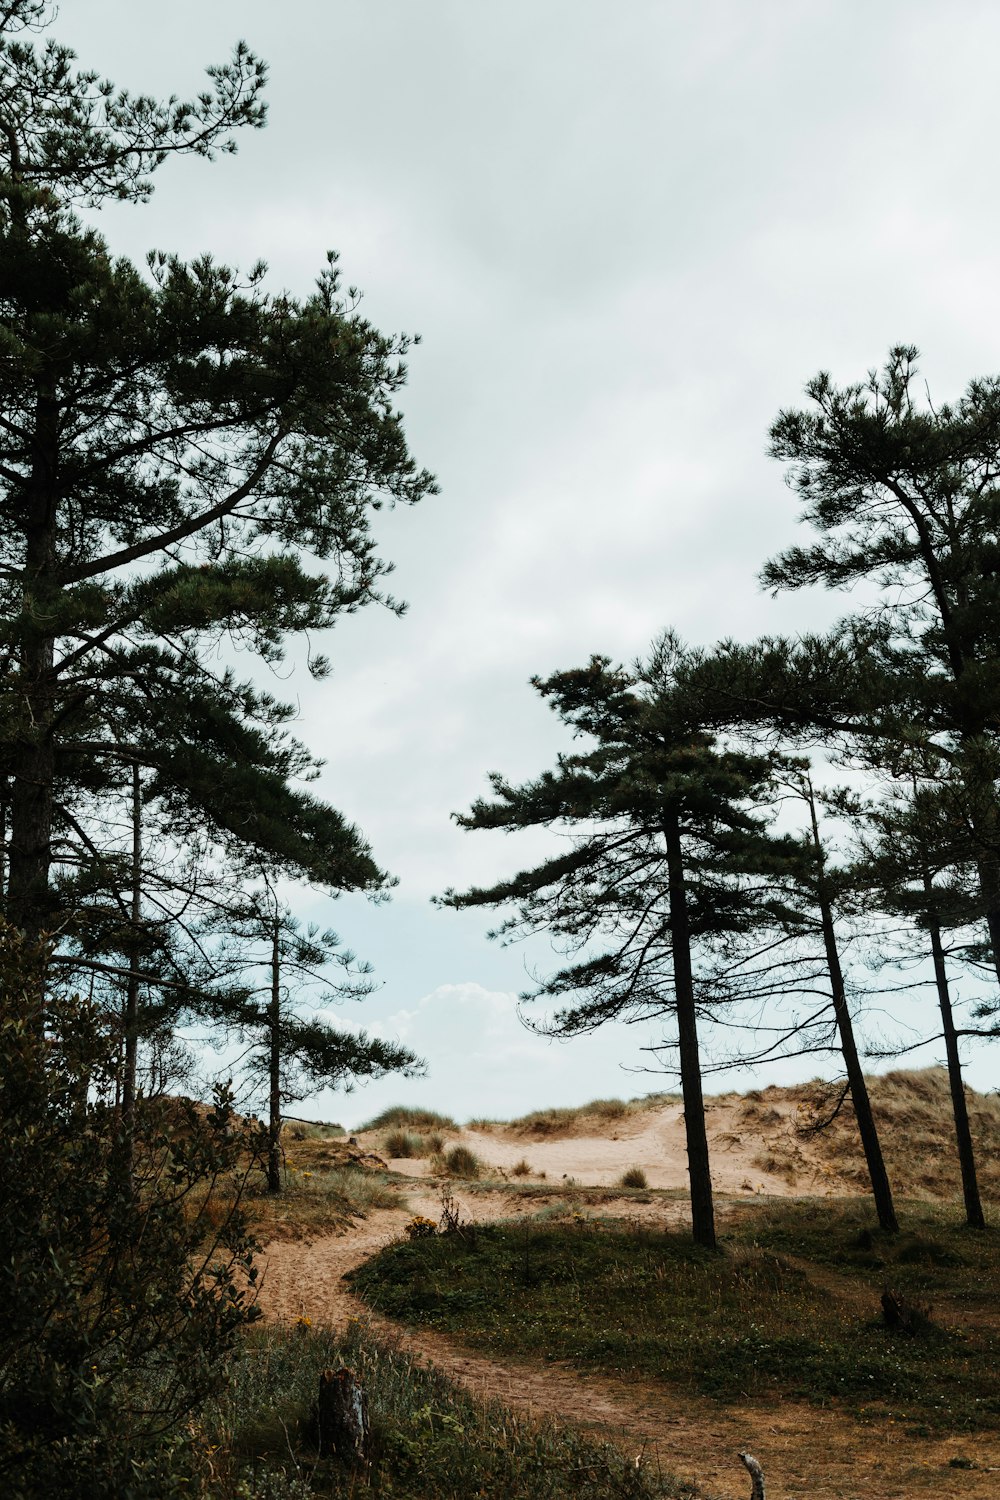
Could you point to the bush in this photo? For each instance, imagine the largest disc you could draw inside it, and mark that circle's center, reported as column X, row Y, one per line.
column 521, row 1168
column 125, row 1265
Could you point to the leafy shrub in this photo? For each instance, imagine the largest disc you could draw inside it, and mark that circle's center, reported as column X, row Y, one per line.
column 125, row 1266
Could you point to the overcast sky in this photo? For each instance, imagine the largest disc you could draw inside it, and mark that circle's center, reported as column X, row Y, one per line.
column 628, row 234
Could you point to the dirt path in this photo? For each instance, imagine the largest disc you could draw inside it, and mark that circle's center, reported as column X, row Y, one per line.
column 808, row 1452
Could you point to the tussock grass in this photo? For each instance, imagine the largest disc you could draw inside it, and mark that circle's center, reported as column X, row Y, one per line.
column 403, row 1143
column 461, row 1162
column 635, row 1177
column 430, row 1440
column 406, row 1118
column 791, row 1307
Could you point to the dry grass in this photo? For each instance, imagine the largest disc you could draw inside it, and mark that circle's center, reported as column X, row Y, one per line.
column 568, row 1120
column 402, row 1117
column 913, row 1113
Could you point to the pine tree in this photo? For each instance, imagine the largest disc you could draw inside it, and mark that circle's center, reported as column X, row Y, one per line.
column 904, row 495
column 665, row 849
column 292, row 1055
column 180, row 454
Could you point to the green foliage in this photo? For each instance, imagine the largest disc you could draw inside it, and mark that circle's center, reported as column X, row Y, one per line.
column 790, row 1307
column 125, row 1267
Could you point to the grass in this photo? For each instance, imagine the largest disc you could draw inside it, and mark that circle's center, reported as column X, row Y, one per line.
column 403, row 1117
column 319, row 1200
column 403, row 1143
column 461, row 1162
column 564, row 1120
column 635, row 1177
column 312, row 1130
column 430, row 1440
column 789, row 1309
column 914, row 1115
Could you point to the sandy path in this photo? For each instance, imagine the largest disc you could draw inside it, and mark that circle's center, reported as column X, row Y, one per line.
column 688, row 1436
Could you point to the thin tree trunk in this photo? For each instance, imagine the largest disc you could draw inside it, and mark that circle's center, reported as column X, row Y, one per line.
column 878, row 1176
column 30, row 853
column 131, row 1010
column 274, row 1040
column 974, row 1215
column 699, row 1173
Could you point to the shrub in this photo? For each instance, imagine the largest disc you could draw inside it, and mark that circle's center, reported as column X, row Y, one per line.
column 521, row 1168
column 635, row 1177
column 125, row 1266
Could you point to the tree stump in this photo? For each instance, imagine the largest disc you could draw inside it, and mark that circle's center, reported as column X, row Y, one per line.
column 342, row 1416
column 756, row 1473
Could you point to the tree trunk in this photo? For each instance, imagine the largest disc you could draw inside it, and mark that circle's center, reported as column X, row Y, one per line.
column 130, row 1018
column 30, row 853
column 974, row 1215
column 341, row 1416
column 274, row 1043
column 879, row 1178
column 699, row 1173
column 756, row 1473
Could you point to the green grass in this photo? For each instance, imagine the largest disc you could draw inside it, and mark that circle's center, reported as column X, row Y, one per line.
column 430, row 1440
column 790, row 1307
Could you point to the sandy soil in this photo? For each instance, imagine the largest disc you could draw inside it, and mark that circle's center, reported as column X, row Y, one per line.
column 806, row 1451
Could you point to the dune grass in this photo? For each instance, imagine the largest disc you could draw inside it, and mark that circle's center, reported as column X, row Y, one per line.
column 401, row 1116
column 790, row 1307
column 430, row 1440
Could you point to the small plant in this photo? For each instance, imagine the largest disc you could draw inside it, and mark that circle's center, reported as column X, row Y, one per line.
column 400, row 1143
column 452, row 1221
column 521, row 1168
column 420, row 1228
column 461, row 1162
column 635, row 1177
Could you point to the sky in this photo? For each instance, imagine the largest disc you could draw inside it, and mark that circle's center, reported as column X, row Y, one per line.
column 627, row 234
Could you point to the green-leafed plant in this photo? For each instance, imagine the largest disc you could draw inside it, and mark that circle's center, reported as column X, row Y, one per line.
column 125, row 1265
